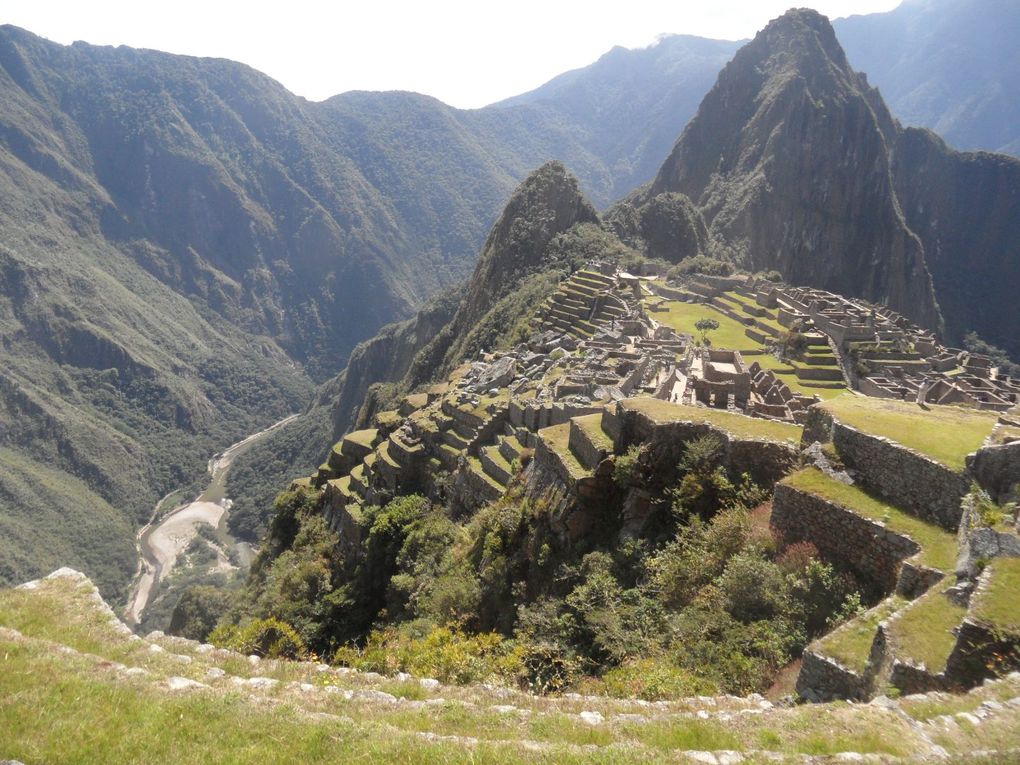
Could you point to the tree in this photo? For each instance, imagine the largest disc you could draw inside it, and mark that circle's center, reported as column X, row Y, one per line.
column 704, row 326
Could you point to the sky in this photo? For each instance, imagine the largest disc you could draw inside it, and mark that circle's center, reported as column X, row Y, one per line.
column 465, row 53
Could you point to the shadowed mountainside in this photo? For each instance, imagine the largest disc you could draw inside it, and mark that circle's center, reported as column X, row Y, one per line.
column 947, row 65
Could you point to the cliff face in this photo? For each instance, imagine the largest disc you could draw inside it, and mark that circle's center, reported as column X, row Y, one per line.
column 965, row 207
column 789, row 159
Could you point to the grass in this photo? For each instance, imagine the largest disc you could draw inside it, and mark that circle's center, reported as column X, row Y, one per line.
column 997, row 605
column 938, row 547
column 557, row 438
column 683, row 316
column 57, row 706
column 363, row 437
column 922, row 632
column 788, row 374
column 591, row 425
column 947, row 434
column 850, row 643
column 737, row 425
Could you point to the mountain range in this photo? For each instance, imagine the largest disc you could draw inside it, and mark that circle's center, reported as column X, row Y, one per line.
column 187, row 248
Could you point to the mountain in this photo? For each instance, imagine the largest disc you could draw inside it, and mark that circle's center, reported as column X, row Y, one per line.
column 947, row 65
column 787, row 158
column 631, row 103
column 797, row 165
column 185, row 246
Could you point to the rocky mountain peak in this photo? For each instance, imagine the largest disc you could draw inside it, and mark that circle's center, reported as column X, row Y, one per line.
column 788, row 158
column 548, row 202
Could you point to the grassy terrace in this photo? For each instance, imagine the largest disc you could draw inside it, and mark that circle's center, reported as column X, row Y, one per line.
column 591, row 425
column 683, row 316
column 738, row 425
column 58, row 706
column 923, row 632
column 947, row 434
column 997, row 605
column 557, row 438
column 938, row 547
column 363, row 437
column 788, row 374
column 850, row 643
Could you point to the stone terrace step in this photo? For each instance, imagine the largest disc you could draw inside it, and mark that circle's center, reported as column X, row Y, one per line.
column 510, row 447
column 495, row 465
column 587, row 441
column 597, row 276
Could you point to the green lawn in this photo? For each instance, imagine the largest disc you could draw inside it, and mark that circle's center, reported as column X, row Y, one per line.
column 938, row 547
column 738, row 425
column 998, row 604
column 947, row 434
column 850, row 643
column 683, row 316
column 923, row 632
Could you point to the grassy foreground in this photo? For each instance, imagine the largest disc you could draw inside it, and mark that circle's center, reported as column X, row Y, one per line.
column 76, row 688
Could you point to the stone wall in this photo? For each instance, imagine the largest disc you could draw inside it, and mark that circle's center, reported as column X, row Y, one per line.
column 981, row 652
column 911, row 481
column 766, row 461
column 997, row 470
column 824, row 679
column 873, row 552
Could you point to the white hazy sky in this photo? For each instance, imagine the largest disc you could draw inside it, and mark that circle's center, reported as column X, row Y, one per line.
column 465, row 53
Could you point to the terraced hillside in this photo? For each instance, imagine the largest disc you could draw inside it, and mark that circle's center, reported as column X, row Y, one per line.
column 161, row 699
column 555, row 421
column 754, row 330
column 900, row 528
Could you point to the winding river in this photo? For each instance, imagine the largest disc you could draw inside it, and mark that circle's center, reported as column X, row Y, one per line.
column 161, row 541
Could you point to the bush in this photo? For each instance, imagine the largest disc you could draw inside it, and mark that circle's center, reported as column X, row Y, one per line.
column 701, row 264
column 627, row 467
column 269, row 638
column 197, row 611
column 443, row 652
column 651, row 679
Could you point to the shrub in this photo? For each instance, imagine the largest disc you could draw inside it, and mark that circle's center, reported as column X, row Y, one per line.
column 651, row 679
column 627, row 467
column 269, row 638
column 197, row 611
column 444, row 652
column 701, row 264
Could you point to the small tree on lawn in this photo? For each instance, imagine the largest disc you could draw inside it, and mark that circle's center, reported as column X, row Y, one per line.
column 704, row 326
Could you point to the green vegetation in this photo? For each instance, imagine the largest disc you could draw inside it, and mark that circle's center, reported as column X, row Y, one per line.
column 938, row 547
column 683, row 317
column 923, row 633
column 997, row 604
column 944, row 433
column 135, row 716
column 701, row 264
column 704, row 326
column 850, row 644
column 737, row 425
